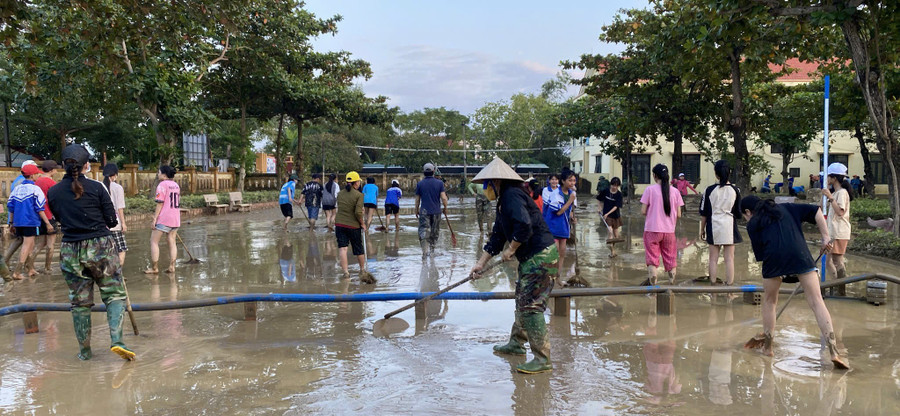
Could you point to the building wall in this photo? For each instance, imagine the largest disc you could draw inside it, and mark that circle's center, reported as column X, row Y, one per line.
column 842, row 143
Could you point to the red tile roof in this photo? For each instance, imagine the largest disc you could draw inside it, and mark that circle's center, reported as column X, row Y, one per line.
column 799, row 70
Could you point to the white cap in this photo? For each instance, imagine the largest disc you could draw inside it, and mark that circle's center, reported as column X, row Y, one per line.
column 837, row 169
column 28, row 162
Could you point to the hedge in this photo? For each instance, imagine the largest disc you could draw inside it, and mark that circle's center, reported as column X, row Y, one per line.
column 876, row 243
column 862, row 208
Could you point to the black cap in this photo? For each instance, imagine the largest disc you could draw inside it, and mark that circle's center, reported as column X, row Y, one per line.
column 48, row 165
column 77, row 153
column 110, row 169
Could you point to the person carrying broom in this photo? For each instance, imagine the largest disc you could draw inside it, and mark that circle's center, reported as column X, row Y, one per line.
column 777, row 240
column 519, row 223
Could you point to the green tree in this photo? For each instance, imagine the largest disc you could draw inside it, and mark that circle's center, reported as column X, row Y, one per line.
column 525, row 121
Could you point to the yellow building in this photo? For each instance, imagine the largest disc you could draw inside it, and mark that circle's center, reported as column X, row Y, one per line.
column 588, row 159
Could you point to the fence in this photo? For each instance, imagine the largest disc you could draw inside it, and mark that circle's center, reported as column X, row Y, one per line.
column 136, row 181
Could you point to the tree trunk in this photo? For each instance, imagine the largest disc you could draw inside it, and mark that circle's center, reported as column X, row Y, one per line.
column 785, row 163
column 678, row 154
column 627, row 170
column 868, row 175
column 298, row 162
column 873, row 89
column 737, row 125
column 279, row 151
column 62, row 142
column 242, row 168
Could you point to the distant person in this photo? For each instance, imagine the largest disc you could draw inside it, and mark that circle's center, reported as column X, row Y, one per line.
column 88, row 253
column 311, row 199
column 286, row 199
column 430, row 195
column 776, row 236
column 611, row 202
column 47, row 240
column 535, row 191
column 719, row 211
column 349, row 227
column 329, row 200
column 370, row 201
column 15, row 244
column 166, row 219
column 767, row 187
column 26, row 206
column 117, row 194
column 559, row 201
column 392, row 204
column 661, row 204
column 683, row 185
column 286, row 261
column 839, row 227
column 602, row 184
column 856, row 184
column 482, row 205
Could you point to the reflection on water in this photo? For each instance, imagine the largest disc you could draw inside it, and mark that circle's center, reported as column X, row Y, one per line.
column 614, row 355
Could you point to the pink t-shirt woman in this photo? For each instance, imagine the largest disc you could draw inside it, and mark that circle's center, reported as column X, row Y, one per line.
column 659, row 226
column 168, row 193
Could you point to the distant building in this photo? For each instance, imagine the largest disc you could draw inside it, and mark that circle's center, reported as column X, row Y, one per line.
column 587, row 157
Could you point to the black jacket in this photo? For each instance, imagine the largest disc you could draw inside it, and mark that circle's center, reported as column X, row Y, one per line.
column 90, row 216
column 519, row 219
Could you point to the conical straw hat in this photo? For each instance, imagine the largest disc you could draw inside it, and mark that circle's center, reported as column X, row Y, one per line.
column 497, row 169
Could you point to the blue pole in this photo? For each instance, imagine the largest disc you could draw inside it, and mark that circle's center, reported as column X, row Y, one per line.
column 825, row 164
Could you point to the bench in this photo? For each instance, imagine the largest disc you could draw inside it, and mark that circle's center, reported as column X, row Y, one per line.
column 236, row 201
column 212, row 202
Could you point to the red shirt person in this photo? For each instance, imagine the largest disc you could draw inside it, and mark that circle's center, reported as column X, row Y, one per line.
column 682, row 185
column 45, row 182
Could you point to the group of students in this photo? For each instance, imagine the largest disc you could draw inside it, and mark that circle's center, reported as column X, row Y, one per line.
column 90, row 215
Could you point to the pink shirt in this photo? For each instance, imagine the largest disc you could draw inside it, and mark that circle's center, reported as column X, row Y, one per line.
column 169, row 194
column 657, row 221
column 683, row 185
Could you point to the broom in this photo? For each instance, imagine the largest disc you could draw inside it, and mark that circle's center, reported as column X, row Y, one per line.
column 759, row 341
column 380, row 227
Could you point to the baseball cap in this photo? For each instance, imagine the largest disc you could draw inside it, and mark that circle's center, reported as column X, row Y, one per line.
column 29, row 162
column 428, row 167
column 294, row 177
column 352, row 176
column 49, row 165
column 77, row 153
column 28, row 170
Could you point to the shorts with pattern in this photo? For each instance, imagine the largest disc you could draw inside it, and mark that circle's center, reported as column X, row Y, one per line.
column 429, row 227
column 350, row 237
column 119, row 238
column 88, row 262
column 664, row 244
column 536, row 280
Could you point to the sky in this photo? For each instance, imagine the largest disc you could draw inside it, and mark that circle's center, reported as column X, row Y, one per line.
column 462, row 54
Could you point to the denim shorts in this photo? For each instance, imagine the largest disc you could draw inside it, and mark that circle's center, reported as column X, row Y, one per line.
column 313, row 212
column 166, row 229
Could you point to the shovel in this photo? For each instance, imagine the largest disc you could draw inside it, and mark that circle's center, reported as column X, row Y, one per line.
column 193, row 260
column 381, row 227
column 452, row 234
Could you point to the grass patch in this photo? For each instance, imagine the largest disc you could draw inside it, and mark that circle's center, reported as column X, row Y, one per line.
column 141, row 204
column 876, row 243
column 877, row 209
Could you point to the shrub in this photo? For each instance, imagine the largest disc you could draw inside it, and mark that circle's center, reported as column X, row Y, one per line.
column 877, row 243
column 139, row 204
column 877, row 209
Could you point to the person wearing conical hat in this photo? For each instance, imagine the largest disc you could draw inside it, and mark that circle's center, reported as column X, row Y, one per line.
column 519, row 223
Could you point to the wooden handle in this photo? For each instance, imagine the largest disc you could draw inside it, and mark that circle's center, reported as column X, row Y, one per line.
column 442, row 291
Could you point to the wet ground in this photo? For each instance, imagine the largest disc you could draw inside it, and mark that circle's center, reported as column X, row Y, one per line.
column 614, row 355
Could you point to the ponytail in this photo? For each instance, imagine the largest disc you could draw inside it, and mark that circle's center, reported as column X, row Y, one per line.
column 73, row 169
column 723, row 171
column 348, row 186
column 764, row 211
column 661, row 172
column 106, row 182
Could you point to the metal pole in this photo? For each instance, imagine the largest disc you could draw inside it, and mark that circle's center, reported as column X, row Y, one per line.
column 465, row 163
column 825, row 164
column 6, row 134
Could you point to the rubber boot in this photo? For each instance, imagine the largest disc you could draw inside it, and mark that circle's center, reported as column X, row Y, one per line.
column 4, row 271
column 841, row 290
column 424, row 245
column 81, row 317
column 839, row 362
column 115, row 314
column 517, row 338
column 536, row 329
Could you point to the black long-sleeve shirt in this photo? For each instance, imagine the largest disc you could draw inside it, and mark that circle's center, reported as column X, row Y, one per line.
column 519, row 219
column 90, row 216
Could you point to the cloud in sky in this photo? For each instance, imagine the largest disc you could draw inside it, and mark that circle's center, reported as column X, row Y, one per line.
column 420, row 76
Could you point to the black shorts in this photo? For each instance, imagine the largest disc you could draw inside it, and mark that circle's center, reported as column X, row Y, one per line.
column 328, row 207
column 370, row 205
column 391, row 209
column 350, row 236
column 28, row 231
column 287, row 210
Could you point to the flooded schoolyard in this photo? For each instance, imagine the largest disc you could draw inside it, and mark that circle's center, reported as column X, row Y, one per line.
column 612, row 355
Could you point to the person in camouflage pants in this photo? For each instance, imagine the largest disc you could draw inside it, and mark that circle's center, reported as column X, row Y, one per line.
column 520, row 228
column 85, row 263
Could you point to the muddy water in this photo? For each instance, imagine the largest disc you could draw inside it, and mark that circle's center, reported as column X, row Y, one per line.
column 614, row 355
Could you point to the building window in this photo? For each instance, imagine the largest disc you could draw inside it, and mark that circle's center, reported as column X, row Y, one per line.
column 878, row 169
column 776, row 149
column 691, row 168
column 640, row 169
column 598, row 164
column 832, row 158
column 794, row 172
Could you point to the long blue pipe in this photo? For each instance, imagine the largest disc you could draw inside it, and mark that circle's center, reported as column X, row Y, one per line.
column 412, row 296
